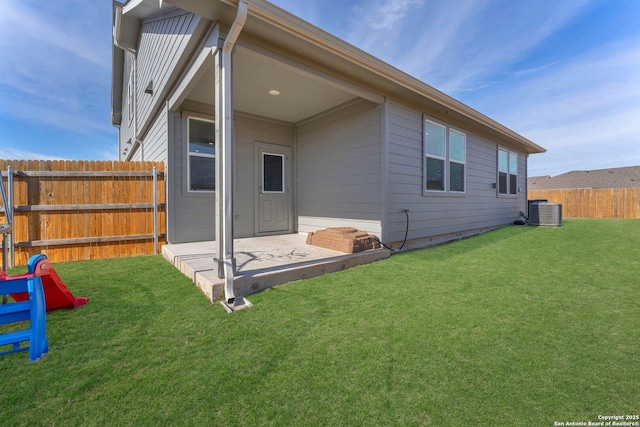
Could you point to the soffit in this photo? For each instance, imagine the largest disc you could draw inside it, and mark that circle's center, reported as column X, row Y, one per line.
column 254, row 76
column 300, row 96
column 141, row 9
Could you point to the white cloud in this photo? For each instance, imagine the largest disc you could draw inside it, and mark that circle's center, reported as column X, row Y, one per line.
column 589, row 86
column 108, row 152
column 375, row 25
column 48, row 115
column 385, row 15
column 485, row 38
column 55, row 73
column 584, row 111
column 457, row 47
column 443, row 32
column 13, row 153
column 18, row 21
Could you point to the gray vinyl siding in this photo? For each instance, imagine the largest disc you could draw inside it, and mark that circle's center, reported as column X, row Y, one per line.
column 137, row 156
column 163, row 50
column 434, row 214
column 162, row 45
column 155, row 142
column 249, row 131
column 191, row 216
column 338, row 169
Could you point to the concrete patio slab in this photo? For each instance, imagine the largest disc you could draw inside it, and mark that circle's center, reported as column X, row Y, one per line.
column 262, row 262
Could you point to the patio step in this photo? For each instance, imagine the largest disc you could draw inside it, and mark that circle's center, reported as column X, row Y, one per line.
column 251, row 283
column 263, row 263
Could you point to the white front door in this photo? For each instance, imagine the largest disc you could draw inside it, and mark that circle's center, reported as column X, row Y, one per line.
column 273, row 198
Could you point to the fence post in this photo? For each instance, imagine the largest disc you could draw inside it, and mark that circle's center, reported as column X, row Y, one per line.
column 8, row 212
column 5, row 250
column 155, row 210
column 6, row 230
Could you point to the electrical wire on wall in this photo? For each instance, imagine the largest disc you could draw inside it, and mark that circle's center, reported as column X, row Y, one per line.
column 406, row 234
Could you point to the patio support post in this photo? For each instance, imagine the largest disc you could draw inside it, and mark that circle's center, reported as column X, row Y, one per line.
column 224, row 119
column 219, row 200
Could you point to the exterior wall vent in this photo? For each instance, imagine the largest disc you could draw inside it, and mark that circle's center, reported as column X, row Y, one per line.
column 545, row 213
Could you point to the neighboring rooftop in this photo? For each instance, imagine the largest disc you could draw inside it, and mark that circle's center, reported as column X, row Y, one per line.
column 600, row 178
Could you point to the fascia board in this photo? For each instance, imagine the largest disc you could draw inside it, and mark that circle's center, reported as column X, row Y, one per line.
column 203, row 61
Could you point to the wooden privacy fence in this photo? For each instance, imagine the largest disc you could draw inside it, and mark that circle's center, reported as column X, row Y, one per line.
column 594, row 202
column 81, row 210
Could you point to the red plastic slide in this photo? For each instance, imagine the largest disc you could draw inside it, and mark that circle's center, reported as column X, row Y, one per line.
column 56, row 293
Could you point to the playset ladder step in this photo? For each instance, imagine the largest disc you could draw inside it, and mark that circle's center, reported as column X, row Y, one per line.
column 15, row 312
column 15, row 307
column 32, row 310
column 15, row 337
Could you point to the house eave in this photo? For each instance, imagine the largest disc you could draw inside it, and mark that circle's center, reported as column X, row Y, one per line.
column 126, row 21
column 318, row 45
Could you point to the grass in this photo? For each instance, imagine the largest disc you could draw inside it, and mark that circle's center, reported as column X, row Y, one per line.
column 521, row 326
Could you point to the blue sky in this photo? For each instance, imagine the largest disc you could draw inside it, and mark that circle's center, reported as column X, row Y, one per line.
column 565, row 74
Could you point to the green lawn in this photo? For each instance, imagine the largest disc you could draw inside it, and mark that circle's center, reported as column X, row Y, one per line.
column 522, row 326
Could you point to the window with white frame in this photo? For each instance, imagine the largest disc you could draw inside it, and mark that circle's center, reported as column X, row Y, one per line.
column 457, row 160
column 507, row 172
column 436, row 154
column 202, row 155
column 445, row 158
column 513, row 173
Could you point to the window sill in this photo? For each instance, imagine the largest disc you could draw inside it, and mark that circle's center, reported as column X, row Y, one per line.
column 196, row 193
column 443, row 194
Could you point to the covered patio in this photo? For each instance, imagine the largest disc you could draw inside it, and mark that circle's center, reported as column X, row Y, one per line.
column 262, row 262
column 266, row 137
